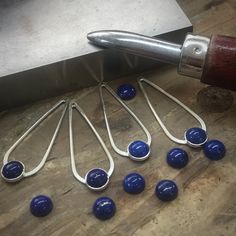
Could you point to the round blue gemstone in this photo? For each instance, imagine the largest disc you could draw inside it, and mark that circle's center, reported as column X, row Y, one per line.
column 134, row 183
column 138, row 149
column 104, row 208
column 166, row 190
column 126, row 91
column 12, row 170
column 41, row 206
column 177, row 158
column 196, row 136
column 214, row 150
column 97, row 178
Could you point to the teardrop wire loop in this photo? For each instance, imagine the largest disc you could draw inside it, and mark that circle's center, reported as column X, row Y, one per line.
column 168, row 134
column 44, row 159
column 116, row 149
column 74, row 105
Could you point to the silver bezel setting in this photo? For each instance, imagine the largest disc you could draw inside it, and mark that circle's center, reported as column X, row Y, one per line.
column 194, row 145
column 14, row 179
column 138, row 159
column 100, row 188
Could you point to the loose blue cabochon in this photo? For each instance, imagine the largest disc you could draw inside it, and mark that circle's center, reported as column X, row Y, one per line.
column 166, row 190
column 97, row 179
column 195, row 136
column 134, row 183
column 177, row 158
column 139, row 150
column 13, row 171
column 104, row 208
column 214, row 149
column 41, row 206
column 126, row 91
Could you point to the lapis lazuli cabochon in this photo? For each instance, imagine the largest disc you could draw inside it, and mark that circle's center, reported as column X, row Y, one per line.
column 166, row 190
column 12, row 170
column 126, row 91
column 97, row 178
column 196, row 136
column 104, row 208
column 214, row 150
column 134, row 183
column 41, row 206
column 139, row 149
column 177, row 158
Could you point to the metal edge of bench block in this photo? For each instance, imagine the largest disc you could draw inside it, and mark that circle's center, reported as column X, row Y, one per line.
column 81, row 71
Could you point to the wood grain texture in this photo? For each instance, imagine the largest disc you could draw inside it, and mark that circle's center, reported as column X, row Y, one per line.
column 220, row 64
column 206, row 204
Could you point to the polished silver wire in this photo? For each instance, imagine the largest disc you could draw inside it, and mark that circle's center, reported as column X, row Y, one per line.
column 119, row 151
column 74, row 105
column 44, row 159
column 168, row 134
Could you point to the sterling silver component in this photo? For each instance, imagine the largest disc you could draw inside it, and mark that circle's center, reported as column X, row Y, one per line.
column 44, row 159
column 116, row 149
column 193, row 55
column 74, row 105
column 168, row 134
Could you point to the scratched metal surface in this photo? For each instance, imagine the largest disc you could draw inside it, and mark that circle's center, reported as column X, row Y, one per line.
column 36, row 33
column 44, row 50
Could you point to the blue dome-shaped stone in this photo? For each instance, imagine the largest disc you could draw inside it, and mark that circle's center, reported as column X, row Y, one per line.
column 139, row 149
column 126, row 91
column 41, row 206
column 13, row 170
column 214, row 150
column 177, row 158
column 166, row 190
column 97, row 178
column 196, row 136
column 134, row 183
column 104, row 208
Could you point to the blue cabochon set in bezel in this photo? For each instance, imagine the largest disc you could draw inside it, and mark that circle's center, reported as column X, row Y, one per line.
column 134, row 183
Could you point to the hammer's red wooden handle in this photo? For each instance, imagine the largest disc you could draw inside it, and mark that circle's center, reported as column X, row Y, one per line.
column 220, row 62
column 212, row 60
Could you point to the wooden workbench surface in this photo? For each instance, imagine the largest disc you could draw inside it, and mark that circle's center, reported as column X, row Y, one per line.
column 206, row 204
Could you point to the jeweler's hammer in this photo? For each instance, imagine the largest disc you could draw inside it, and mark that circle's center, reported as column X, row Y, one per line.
column 212, row 60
